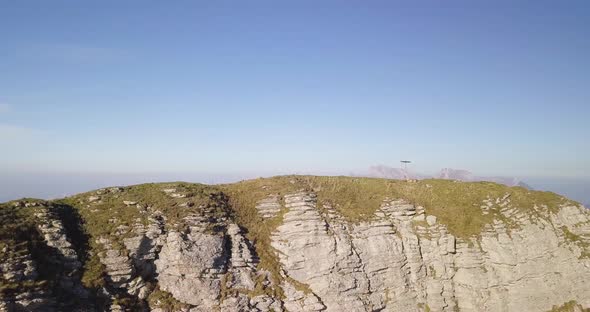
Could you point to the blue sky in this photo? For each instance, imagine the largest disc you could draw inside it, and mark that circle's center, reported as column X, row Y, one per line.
column 137, row 87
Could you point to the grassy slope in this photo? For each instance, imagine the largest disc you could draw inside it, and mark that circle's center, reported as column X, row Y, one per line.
column 456, row 204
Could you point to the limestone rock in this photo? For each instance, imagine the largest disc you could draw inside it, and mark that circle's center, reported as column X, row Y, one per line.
column 54, row 234
column 92, row 199
column 390, row 263
column 119, row 268
column 172, row 254
column 190, row 265
column 269, row 207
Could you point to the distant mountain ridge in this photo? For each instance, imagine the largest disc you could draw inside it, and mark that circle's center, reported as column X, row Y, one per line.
column 468, row 176
column 382, row 171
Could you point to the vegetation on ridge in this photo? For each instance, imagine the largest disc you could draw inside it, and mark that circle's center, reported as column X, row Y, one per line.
column 570, row 306
column 576, row 239
column 456, row 204
column 108, row 216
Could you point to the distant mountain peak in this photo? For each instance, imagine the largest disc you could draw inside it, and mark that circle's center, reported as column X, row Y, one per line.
column 383, row 171
column 455, row 174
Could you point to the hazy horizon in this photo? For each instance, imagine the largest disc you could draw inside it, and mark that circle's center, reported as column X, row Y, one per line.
column 57, row 185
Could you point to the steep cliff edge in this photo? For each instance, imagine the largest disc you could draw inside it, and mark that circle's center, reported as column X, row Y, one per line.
column 297, row 243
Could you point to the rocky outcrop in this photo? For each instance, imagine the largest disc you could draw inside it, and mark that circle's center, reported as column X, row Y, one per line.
column 54, row 233
column 181, row 252
column 190, row 266
column 508, row 267
column 52, row 229
column 210, row 267
column 269, row 207
column 143, row 247
column 21, row 269
column 403, row 260
column 42, row 274
column 118, row 266
column 360, row 267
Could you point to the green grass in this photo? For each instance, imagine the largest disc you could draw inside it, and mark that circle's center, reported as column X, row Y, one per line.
column 424, row 307
column 576, row 239
column 93, row 276
column 570, row 306
column 243, row 197
column 164, row 300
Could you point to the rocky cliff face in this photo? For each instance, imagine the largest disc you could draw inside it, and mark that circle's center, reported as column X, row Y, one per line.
column 297, row 244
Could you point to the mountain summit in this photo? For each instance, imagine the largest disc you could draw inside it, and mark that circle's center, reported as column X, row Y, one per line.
column 297, row 243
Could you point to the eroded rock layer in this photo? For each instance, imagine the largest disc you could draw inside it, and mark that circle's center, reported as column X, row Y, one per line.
column 181, row 247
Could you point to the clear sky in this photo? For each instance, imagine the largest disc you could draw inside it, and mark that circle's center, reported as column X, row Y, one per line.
column 501, row 88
